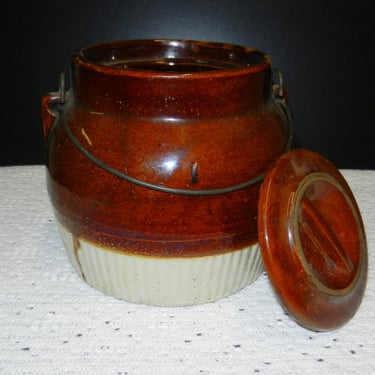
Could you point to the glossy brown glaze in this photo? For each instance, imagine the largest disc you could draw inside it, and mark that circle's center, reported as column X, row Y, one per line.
column 313, row 240
column 186, row 115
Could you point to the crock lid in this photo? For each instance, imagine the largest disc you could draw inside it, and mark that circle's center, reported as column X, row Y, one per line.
column 312, row 239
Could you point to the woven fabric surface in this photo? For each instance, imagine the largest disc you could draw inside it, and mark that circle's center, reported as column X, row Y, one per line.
column 51, row 322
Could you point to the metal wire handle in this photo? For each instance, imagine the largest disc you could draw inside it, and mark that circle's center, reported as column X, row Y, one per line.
column 59, row 107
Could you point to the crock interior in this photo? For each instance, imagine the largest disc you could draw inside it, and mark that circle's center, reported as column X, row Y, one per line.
column 174, row 56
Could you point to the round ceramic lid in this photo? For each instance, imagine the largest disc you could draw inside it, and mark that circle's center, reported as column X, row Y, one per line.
column 312, row 239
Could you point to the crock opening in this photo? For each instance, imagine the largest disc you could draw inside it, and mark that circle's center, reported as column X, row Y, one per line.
column 171, row 56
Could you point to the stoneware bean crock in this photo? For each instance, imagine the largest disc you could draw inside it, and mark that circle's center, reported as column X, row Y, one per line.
column 156, row 155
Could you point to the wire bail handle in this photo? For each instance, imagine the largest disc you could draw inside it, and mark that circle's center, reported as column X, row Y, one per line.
column 279, row 96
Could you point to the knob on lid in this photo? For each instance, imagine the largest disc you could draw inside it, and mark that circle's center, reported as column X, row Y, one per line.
column 313, row 240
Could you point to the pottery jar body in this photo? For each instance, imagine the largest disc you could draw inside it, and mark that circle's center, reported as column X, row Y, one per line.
column 191, row 118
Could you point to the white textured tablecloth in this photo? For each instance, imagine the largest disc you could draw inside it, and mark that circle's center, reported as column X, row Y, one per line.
column 51, row 322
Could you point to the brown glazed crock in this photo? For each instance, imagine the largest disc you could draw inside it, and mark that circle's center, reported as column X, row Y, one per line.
column 158, row 150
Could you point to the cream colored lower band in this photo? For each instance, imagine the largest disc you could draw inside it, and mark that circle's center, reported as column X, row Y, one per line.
column 163, row 281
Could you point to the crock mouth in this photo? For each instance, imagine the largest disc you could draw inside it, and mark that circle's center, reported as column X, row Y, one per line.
column 170, row 57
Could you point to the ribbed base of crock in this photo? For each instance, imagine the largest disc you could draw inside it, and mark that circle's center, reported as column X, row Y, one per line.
column 162, row 281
